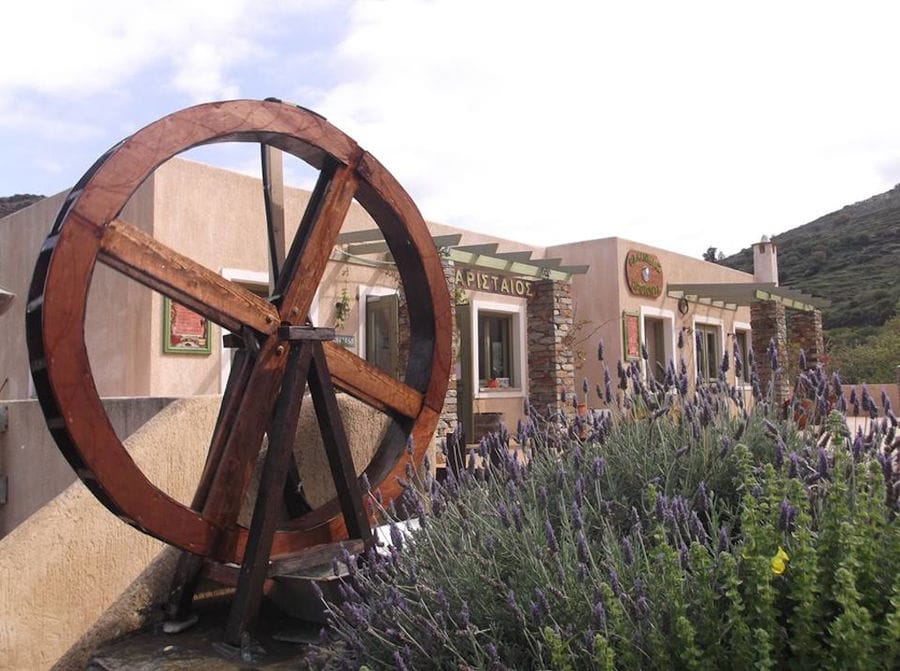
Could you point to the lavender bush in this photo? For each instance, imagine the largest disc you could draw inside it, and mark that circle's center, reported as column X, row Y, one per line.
column 667, row 532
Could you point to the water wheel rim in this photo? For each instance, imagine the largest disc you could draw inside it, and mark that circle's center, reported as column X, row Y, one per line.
column 58, row 299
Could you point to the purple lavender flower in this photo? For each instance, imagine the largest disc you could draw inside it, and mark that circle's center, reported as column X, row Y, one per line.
column 396, row 536
column 780, row 447
column 644, row 354
column 723, row 539
column 517, row 517
column 642, row 607
column 794, row 467
column 504, row 515
column 803, row 366
column 600, row 350
column 786, row 516
column 563, row 395
column 399, row 664
column 684, row 557
column 857, row 446
column 599, row 613
column 773, row 354
column 582, row 549
column 575, row 513
column 627, row 552
column 607, row 385
column 662, row 504
column 598, row 466
column 464, row 616
column 822, row 463
column 542, row 496
column 550, row 537
column 681, row 339
column 581, row 572
column 409, row 445
column 614, row 582
column 702, row 497
column 698, row 531
column 725, row 365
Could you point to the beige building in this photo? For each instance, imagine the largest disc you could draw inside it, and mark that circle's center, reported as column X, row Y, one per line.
column 620, row 292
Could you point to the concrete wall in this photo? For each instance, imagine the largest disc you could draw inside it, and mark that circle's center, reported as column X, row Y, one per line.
column 33, row 464
column 66, row 564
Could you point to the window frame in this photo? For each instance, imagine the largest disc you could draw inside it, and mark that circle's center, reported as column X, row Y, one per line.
column 716, row 327
column 668, row 319
column 362, row 295
column 744, row 329
column 517, row 349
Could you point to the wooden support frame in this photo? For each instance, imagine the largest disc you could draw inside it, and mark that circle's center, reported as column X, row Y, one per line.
column 88, row 230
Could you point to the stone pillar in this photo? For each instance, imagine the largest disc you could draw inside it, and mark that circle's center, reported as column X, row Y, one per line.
column 767, row 322
column 805, row 331
column 551, row 361
column 449, row 415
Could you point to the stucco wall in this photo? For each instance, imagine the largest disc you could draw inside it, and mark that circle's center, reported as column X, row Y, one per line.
column 21, row 236
column 602, row 294
column 63, row 566
column 33, row 464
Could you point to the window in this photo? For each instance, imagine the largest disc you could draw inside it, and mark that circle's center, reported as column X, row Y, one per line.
column 495, row 345
column 382, row 326
column 706, row 339
column 742, row 346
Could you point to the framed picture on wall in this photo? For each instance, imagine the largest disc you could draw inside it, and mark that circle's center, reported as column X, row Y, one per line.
column 631, row 334
column 184, row 331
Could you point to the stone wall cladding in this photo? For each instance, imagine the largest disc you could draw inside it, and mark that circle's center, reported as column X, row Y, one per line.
column 551, row 362
column 767, row 322
column 449, row 414
column 805, row 331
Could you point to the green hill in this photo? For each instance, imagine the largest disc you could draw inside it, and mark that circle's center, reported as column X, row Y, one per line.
column 9, row 204
column 851, row 257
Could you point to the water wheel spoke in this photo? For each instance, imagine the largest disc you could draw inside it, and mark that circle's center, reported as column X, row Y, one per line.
column 273, row 199
column 370, row 384
column 132, row 252
column 242, row 444
column 318, row 231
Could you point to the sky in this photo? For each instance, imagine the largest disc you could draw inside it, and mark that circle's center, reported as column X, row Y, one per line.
column 682, row 125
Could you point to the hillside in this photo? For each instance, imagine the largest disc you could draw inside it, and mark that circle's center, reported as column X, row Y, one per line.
column 851, row 257
column 9, row 204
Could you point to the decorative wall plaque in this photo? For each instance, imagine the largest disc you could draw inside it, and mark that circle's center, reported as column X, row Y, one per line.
column 631, row 335
column 184, row 331
column 643, row 273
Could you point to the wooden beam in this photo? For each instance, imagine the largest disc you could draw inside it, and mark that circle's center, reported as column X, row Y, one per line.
column 140, row 256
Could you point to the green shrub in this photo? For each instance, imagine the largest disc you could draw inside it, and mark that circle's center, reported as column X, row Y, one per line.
column 685, row 533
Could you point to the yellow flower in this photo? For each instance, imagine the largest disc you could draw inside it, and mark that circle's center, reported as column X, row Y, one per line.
column 779, row 561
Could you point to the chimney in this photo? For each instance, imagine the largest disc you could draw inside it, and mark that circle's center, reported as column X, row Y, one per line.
column 765, row 262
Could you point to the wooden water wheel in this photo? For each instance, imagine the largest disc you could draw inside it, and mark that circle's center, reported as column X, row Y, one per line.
column 281, row 351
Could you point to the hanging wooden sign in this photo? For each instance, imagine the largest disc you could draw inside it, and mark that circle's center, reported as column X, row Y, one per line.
column 644, row 274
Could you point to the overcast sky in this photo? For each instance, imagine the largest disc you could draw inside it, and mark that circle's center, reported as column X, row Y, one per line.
column 678, row 124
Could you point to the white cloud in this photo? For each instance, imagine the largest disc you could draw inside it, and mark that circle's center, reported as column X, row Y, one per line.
column 678, row 124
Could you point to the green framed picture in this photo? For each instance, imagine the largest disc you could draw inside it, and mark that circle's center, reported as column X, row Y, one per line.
column 184, row 331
